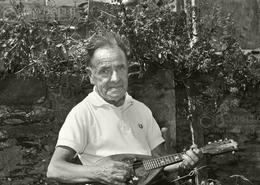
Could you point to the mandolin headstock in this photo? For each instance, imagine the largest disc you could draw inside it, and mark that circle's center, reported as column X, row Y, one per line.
column 221, row 146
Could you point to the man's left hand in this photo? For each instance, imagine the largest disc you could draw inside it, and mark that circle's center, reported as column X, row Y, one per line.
column 191, row 157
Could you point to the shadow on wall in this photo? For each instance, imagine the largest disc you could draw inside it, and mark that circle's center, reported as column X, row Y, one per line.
column 15, row 91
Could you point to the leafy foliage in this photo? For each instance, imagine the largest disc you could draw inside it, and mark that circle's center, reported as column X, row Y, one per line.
column 43, row 50
column 214, row 68
column 158, row 37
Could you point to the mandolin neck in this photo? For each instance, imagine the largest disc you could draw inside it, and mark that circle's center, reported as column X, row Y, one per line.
column 162, row 161
column 216, row 147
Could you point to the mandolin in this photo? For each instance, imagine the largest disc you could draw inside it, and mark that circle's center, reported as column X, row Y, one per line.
column 146, row 168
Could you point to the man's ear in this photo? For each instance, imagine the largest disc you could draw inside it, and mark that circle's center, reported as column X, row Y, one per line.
column 90, row 75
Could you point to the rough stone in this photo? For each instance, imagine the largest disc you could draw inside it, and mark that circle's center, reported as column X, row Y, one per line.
column 3, row 111
column 13, row 121
column 8, row 143
column 3, row 135
column 41, row 100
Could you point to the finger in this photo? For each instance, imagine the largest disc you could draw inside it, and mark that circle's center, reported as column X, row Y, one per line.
column 124, row 167
column 192, row 156
column 187, row 161
column 117, row 183
column 120, row 179
column 193, row 146
column 198, row 152
column 120, row 183
column 184, row 165
column 122, row 164
column 172, row 167
column 195, row 149
column 121, row 174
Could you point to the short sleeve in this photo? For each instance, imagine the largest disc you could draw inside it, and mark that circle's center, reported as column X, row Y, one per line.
column 154, row 134
column 72, row 132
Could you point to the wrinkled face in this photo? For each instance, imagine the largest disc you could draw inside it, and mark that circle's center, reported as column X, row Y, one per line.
column 109, row 73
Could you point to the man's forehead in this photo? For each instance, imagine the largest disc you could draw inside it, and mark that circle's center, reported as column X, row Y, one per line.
column 102, row 63
column 108, row 56
column 105, row 63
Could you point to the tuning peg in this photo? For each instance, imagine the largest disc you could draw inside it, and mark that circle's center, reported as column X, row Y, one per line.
column 215, row 141
column 233, row 152
column 209, row 142
column 220, row 140
column 226, row 139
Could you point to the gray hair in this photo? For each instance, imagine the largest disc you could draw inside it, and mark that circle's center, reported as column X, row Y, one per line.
column 111, row 39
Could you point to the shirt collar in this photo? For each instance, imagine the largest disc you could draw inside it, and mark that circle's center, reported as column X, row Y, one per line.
column 95, row 99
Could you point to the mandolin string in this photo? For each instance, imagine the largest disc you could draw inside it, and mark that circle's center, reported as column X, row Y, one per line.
column 141, row 163
column 136, row 164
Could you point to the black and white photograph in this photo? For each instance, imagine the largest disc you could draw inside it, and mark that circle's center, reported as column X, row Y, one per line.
column 130, row 92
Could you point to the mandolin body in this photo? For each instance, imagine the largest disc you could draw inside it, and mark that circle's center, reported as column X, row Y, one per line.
column 140, row 176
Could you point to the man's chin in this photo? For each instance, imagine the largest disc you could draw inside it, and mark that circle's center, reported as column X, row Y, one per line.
column 116, row 97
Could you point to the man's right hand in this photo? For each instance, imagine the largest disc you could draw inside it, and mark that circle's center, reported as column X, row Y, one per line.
column 112, row 172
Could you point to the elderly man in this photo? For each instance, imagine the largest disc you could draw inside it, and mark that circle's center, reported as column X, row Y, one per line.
column 107, row 122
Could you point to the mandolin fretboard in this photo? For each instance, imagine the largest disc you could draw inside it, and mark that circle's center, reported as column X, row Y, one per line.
column 162, row 161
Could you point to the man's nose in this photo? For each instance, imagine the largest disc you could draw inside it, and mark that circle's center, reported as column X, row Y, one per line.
column 115, row 76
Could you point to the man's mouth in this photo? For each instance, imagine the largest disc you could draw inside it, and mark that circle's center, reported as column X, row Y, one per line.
column 116, row 89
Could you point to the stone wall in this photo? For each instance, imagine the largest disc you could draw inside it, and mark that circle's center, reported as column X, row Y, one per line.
column 15, row 91
column 30, row 123
column 31, row 115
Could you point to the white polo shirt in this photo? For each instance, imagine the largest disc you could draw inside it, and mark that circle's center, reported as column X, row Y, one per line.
column 95, row 129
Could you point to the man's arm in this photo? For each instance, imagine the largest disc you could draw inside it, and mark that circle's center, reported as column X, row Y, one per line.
column 62, row 169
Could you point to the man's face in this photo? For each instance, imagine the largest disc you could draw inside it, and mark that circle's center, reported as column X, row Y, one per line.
column 109, row 73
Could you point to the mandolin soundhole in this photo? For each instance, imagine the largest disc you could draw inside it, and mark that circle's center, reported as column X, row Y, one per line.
column 139, row 169
column 139, row 173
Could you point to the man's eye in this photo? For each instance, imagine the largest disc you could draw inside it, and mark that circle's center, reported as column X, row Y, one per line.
column 121, row 67
column 105, row 71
